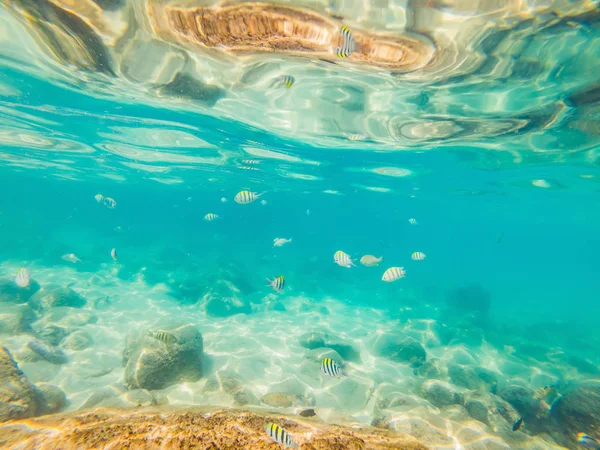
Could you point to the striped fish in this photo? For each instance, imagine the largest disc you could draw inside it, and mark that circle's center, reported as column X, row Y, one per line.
column 245, row 197
column 251, row 162
column 277, row 283
column 393, row 274
column 22, row 279
column 210, row 217
column 544, row 392
column 412, row 221
column 343, row 259
column 588, row 441
column 113, row 254
column 99, row 197
column 418, row 256
column 283, row 81
column 348, row 44
column 164, row 337
column 280, row 436
column 110, row 202
column 330, row 367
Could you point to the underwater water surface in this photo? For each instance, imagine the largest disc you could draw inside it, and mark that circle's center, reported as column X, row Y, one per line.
column 162, row 163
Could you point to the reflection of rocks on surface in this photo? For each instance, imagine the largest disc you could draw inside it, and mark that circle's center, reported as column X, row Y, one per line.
column 194, row 427
column 314, row 340
column 52, row 296
column 152, row 364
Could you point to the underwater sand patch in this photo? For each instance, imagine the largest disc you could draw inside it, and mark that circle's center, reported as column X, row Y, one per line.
column 261, row 27
column 189, row 427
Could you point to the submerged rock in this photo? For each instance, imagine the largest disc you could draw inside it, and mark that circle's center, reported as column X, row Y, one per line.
column 16, row 319
column 11, row 293
column 52, row 334
column 401, row 350
column 47, row 352
column 316, row 339
column 226, row 388
column 440, row 393
column 194, row 427
column 80, row 340
column 433, row 369
column 224, row 300
column 19, row 399
column 153, row 364
column 53, row 398
column 578, row 410
column 472, row 377
column 53, row 296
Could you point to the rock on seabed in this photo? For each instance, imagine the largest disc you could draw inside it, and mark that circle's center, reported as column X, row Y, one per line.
column 169, row 428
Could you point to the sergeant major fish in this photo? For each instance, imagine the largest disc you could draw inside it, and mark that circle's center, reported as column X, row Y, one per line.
column 393, row 274
column 164, row 337
column 280, row 436
column 343, row 259
column 331, row 368
column 348, row 45
column 418, row 256
column 277, row 283
column 245, row 197
column 210, row 217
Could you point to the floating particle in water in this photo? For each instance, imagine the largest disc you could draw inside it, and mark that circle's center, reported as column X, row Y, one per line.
column 286, row 81
column 23, row 278
column 263, row 202
column 246, row 197
column 348, row 44
column 223, row 200
column 210, row 217
column 412, row 221
column 541, row 183
column 110, row 202
column 113, row 254
column 71, row 257
column 277, row 283
column 392, row 171
column 280, row 436
column 418, row 256
column 343, row 259
column 370, row 260
column 308, row 212
column 278, row 242
column 393, row 274
column 99, row 197
column 331, row 368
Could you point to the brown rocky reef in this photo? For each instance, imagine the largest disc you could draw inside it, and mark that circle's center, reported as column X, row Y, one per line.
column 187, row 428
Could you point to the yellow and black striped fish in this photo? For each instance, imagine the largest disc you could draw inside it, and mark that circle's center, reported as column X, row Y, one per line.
column 245, row 197
column 330, row 367
column 277, row 283
column 280, row 436
column 210, row 217
column 164, row 337
column 348, row 45
column 283, row 81
column 544, row 392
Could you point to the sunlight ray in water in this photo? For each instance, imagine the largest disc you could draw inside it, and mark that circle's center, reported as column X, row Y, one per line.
column 359, row 221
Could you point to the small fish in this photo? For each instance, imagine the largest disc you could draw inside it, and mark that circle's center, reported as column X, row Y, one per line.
column 343, row 259
column 278, row 242
column 518, row 424
column 245, row 197
column 393, row 274
column 164, row 337
column 348, row 45
column 249, row 168
column 277, row 283
column 223, row 200
column 110, row 202
column 280, row 436
column 331, row 368
column 210, row 217
column 22, row 279
column 263, row 202
column 310, row 412
column 251, row 161
column 588, row 441
column 286, row 81
column 278, row 400
column 412, row 221
column 308, row 212
column 370, row 260
column 71, row 258
column 113, row 254
column 99, row 197
column 357, row 137
column 418, row 256
column 544, row 392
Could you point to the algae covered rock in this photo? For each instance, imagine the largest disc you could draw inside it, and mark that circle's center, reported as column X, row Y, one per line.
column 16, row 319
column 19, row 399
column 440, row 393
column 47, row 352
column 154, row 361
column 406, row 350
column 53, row 398
column 79, row 340
column 53, row 296
column 472, row 377
column 316, row 339
column 11, row 293
column 226, row 388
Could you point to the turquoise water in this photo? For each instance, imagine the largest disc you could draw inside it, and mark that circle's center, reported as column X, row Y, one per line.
column 501, row 177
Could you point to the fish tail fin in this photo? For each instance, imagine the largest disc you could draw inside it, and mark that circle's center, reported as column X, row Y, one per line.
column 270, row 282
